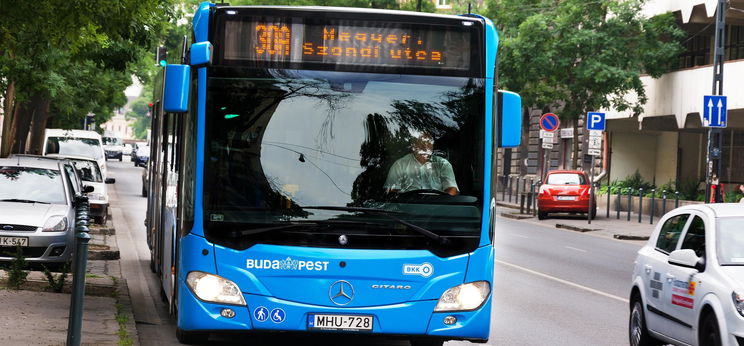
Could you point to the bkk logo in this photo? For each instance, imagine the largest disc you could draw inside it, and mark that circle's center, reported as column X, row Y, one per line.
column 424, row 269
column 286, row 264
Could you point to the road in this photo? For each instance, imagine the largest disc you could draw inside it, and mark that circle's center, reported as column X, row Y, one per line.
column 550, row 286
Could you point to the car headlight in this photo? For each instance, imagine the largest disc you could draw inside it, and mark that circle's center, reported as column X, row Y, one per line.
column 464, row 297
column 55, row 224
column 213, row 288
column 738, row 302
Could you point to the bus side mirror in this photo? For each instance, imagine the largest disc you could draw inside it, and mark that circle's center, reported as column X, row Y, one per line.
column 509, row 119
column 201, row 54
column 176, row 90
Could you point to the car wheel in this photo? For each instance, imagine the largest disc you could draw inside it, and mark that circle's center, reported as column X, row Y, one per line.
column 541, row 215
column 594, row 213
column 709, row 333
column 120, row 158
column 637, row 331
column 144, row 191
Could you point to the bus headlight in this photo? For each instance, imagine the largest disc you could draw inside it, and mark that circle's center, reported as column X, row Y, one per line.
column 464, row 297
column 738, row 302
column 213, row 288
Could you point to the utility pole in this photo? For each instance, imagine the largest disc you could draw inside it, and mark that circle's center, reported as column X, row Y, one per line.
column 714, row 133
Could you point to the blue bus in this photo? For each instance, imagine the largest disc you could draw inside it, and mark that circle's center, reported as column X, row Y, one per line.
column 329, row 170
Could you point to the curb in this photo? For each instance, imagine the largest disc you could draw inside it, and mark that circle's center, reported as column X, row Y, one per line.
column 575, row 228
column 629, row 237
column 517, row 216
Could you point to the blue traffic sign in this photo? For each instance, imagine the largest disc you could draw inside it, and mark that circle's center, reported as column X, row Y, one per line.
column 714, row 111
column 549, row 122
column 595, row 121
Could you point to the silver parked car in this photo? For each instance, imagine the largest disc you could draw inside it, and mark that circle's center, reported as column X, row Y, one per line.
column 37, row 208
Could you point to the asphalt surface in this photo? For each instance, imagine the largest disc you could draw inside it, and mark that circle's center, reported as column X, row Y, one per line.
column 551, row 286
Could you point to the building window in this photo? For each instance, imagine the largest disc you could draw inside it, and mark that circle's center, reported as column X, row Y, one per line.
column 735, row 38
column 732, row 150
column 443, row 4
column 697, row 51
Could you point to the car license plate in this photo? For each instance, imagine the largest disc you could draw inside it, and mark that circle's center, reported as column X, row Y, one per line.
column 340, row 322
column 13, row 241
column 566, row 198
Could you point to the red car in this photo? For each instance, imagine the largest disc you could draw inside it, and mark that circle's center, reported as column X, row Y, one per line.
column 564, row 192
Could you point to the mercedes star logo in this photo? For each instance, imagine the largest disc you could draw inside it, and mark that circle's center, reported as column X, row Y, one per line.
column 341, row 292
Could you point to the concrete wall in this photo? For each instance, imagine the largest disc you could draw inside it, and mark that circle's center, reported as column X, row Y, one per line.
column 666, row 158
column 691, row 164
column 631, row 151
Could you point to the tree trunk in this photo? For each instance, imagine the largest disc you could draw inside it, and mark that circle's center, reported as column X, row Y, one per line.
column 38, row 125
column 575, row 149
column 8, row 134
column 24, row 116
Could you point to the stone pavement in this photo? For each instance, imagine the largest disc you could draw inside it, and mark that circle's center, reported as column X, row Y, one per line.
column 34, row 315
column 602, row 225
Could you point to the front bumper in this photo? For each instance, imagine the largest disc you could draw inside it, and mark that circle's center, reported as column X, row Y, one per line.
column 114, row 154
column 43, row 247
column 410, row 319
column 552, row 205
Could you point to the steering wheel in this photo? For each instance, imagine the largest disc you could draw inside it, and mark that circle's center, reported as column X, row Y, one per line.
column 411, row 193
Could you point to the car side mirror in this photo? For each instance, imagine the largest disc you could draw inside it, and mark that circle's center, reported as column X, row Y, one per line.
column 110, row 180
column 88, row 189
column 685, row 258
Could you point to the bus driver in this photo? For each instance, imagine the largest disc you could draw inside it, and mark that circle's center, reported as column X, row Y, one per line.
column 421, row 170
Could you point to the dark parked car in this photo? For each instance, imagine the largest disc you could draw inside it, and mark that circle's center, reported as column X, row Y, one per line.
column 141, row 156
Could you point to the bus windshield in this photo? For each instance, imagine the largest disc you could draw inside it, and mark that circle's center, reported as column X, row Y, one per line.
column 280, row 143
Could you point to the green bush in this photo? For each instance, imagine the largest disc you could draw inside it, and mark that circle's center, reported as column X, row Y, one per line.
column 16, row 274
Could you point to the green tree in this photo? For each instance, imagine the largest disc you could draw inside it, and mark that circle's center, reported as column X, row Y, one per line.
column 67, row 58
column 140, row 114
column 579, row 56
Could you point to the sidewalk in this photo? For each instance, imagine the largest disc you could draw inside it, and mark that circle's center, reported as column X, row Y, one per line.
column 607, row 227
column 35, row 315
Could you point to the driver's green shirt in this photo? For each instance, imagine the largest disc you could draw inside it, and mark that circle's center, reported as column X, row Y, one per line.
column 407, row 174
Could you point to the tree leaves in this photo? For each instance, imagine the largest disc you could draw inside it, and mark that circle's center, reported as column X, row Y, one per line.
column 580, row 55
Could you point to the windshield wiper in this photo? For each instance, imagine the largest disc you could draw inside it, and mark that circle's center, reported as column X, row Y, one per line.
column 307, row 225
column 387, row 213
column 22, row 201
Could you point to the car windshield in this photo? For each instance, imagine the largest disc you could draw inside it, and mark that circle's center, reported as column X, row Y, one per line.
column 282, row 140
column 70, row 146
column 31, row 185
column 730, row 241
column 566, row 179
column 88, row 171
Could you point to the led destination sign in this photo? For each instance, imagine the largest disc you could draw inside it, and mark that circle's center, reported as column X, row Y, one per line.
column 349, row 42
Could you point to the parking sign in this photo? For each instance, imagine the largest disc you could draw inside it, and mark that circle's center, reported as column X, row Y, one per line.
column 595, row 121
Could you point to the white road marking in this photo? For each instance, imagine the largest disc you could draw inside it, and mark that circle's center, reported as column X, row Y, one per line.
column 575, row 248
column 565, row 282
column 521, row 236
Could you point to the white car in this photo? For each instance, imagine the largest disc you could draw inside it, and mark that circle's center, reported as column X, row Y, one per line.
column 76, row 143
column 688, row 281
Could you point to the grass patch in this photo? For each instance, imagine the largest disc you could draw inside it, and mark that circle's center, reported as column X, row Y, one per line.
column 93, row 276
column 122, row 319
